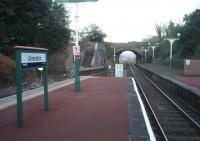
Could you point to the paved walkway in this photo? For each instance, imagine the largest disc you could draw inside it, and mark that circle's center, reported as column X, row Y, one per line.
column 11, row 100
column 194, row 81
column 98, row 113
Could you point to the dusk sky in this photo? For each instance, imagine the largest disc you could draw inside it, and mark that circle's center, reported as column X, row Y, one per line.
column 131, row 20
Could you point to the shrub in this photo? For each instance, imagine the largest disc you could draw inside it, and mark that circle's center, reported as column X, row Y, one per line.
column 109, row 52
column 176, row 63
column 7, row 70
column 89, row 52
column 56, row 65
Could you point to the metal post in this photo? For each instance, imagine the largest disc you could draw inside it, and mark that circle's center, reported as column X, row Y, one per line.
column 77, row 76
column 18, row 90
column 171, row 41
column 45, row 80
column 77, row 62
column 76, row 20
column 153, row 53
column 114, row 55
column 41, row 76
column 153, row 47
column 145, row 55
column 170, row 62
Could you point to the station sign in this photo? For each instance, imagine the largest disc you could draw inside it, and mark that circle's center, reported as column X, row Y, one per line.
column 74, row 1
column 28, row 57
column 29, row 60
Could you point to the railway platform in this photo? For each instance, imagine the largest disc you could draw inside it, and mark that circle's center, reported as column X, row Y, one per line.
column 106, row 109
column 193, row 81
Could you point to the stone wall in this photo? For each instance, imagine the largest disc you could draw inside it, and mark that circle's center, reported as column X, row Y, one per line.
column 192, row 67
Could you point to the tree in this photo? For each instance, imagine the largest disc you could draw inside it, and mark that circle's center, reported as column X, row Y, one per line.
column 94, row 33
column 151, row 39
column 190, row 36
column 109, row 50
column 171, row 30
column 160, row 31
column 40, row 23
column 53, row 27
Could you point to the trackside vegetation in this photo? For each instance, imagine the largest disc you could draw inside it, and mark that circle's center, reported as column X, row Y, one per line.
column 39, row 23
column 188, row 45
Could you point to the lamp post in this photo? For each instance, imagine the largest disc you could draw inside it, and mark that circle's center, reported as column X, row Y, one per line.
column 114, row 55
column 77, row 61
column 40, row 69
column 76, row 57
column 153, row 48
column 171, row 41
column 149, row 45
column 145, row 54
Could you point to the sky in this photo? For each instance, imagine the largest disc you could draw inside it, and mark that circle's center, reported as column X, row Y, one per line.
column 130, row 20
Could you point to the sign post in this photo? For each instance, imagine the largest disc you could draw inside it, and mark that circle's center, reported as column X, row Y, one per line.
column 19, row 90
column 76, row 53
column 29, row 57
column 77, row 57
column 76, row 50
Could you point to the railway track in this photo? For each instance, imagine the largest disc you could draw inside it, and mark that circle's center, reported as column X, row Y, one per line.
column 93, row 72
column 169, row 119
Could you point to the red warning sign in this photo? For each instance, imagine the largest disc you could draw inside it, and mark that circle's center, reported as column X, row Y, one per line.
column 76, row 50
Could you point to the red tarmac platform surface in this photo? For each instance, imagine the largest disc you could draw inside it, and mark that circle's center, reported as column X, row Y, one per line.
column 98, row 113
column 194, row 81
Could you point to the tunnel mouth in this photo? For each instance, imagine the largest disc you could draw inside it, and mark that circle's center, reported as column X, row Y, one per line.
column 127, row 57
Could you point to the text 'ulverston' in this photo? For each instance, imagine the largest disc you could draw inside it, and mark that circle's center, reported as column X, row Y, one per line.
column 34, row 58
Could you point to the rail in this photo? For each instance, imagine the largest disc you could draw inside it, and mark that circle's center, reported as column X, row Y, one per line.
column 158, row 100
column 93, row 71
column 175, row 89
column 89, row 71
column 162, row 133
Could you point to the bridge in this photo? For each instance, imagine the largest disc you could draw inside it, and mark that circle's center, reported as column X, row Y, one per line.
column 135, row 47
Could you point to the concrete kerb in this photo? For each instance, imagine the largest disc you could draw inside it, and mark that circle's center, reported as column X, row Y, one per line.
column 11, row 100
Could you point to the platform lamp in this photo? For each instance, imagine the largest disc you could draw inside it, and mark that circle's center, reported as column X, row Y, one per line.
column 40, row 69
column 149, row 44
column 114, row 56
column 145, row 53
column 153, row 48
column 171, row 41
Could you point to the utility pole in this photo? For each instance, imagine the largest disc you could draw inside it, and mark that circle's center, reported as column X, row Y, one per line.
column 76, row 57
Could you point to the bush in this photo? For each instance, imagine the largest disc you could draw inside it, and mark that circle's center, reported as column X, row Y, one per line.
column 109, row 52
column 89, row 52
column 176, row 63
column 56, row 65
column 7, row 70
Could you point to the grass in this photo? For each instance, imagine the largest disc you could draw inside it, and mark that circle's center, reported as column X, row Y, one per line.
column 164, row 70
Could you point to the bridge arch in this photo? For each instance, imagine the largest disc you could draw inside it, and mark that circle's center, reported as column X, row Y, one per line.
column 138, row 55
column 134, row 46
